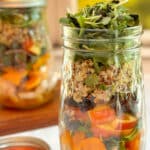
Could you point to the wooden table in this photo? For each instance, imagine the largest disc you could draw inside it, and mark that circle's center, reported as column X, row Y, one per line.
column 12, row 121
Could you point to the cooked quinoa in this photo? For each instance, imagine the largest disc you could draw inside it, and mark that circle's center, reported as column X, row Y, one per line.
column 113, row 78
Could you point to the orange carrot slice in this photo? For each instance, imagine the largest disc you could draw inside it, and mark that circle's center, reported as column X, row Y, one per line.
column 92, row 143
column 15, row 76
column 126, row 121
column 34, row 80
column 66, row 140
column 27, row 43
column 107, row 130
column 77, row 138
column 78, row 141
column 102, row 114
column 135, row 143
column 41, row 61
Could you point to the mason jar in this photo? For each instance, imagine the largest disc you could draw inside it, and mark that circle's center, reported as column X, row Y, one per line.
column 26, row 64
column 102, row 105
column 23, row 143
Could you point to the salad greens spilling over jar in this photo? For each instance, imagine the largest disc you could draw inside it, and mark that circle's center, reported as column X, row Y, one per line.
column 25, row 64
column 102, row 88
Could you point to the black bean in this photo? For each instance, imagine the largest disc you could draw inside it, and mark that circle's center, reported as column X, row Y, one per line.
column 87, row 104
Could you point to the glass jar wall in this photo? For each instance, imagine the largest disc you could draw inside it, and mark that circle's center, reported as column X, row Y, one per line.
column 102, row 104
column 26, row 69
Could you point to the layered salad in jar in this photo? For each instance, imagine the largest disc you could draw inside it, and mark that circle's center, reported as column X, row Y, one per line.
column 25, row 61
column 102, row 97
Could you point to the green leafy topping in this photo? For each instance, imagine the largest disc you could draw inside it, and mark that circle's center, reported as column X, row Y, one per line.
column 102, row 16
column 92, row 80
column 111, row 16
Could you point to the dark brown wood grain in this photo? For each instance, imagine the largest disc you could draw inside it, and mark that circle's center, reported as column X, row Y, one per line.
column 12, row 121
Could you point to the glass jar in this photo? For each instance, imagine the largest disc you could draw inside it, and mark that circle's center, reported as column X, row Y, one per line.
column 23, row 143
column 26, row 65
column 102, row 105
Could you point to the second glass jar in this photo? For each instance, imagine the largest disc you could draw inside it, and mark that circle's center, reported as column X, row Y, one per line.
column 26, row 65
column 102, row 104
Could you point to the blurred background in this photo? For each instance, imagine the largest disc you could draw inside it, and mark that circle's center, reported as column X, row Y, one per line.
column 138, row 6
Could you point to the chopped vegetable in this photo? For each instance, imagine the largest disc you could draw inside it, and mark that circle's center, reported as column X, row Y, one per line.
column 31, row 47
column 80, row 115
column 102, row 114
column 92, row 144
column 77, row 138
column 34, row 79
column 14, row 76
column 27, row 44
column 66, row 140
column 108, row 130
column 86, row 130
column 41, row 61
column 112, row 143
column 135, row 143
column 125, row 121
column 35, row 49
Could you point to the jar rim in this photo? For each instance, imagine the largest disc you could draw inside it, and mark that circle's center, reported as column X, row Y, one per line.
column 104, row 34
column 23, row 141
column 88, row 29
column 95, row 38
column 133, row 49
column 21, row 3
